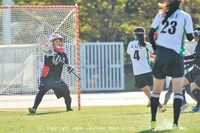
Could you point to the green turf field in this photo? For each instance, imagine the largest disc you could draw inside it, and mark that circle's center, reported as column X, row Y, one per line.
column 102, row 119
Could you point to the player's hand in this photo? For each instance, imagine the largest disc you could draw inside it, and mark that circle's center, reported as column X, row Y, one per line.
column 56, row 59
column 69, row 69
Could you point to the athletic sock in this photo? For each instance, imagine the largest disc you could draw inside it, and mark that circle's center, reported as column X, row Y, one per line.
column 184, row 99
column 154, row 105
column 177, row 107
column 196, row 94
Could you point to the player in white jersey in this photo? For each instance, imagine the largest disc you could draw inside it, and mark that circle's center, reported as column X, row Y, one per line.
column 139, row 50
column 171, row 24
column 139, row 55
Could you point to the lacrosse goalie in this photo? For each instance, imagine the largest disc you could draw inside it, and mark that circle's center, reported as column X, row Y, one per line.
column 51, row 74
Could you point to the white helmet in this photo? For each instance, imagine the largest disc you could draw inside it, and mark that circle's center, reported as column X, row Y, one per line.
column 55, row 36
column 59, row 49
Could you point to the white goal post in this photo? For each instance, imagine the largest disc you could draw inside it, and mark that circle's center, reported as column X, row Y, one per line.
column 20, row 64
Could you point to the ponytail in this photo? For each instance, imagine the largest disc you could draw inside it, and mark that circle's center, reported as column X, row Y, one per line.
column 168, row 8
column 141, row 40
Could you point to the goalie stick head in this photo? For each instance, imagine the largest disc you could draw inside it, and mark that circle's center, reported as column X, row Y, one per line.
column 45, row 47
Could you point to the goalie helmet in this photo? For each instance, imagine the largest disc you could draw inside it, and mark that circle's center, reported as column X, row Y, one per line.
column 55, row 36
column 58, row 49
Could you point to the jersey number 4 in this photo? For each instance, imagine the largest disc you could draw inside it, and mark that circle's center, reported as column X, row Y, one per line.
column 136, row 55
column 172, row 29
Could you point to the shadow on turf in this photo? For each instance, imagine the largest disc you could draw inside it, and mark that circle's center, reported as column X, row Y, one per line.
column 154, row 131
column 45, row 113
column 137, row 113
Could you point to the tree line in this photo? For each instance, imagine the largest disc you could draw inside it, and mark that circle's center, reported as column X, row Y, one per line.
column 115, row 20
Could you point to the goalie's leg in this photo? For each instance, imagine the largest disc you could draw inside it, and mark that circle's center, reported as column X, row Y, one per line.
column 38, row 99
column 61, row 90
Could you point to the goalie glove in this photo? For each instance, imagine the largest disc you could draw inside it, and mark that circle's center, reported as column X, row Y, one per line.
column 69, row 69
column 56, row 59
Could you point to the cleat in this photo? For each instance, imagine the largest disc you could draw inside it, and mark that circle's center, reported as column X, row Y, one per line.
column 165, row 105
column 175, row 127
column 70, row 110
column 153, row 125
column 149, row 103
column 184, row 107
column 162, row 109
column 32, row 110
column 195, row 109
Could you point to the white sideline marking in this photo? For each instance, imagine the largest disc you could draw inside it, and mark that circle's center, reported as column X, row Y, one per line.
column 90, row 99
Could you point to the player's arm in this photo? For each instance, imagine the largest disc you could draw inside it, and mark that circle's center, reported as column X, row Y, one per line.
column 128, row 52
column 66, row 61
column 48, row 61
column 190, row 34
column 152, row 55
column 154, row 27
column 47, row 65
column 190, row 37
column 128, row 49
column 151, row 38
column 149, row 47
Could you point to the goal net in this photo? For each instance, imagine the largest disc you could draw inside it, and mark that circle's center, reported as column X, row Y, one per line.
column 21, row 65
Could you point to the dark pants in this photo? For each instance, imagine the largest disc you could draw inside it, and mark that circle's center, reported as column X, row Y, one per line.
column 60, row 88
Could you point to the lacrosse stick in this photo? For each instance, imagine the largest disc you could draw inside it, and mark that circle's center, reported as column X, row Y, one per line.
column 45, row 47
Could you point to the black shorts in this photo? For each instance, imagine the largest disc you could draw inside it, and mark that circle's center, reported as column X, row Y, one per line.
column 143, row 79
column 167, row 63
column 192, row 75
column 59, row 87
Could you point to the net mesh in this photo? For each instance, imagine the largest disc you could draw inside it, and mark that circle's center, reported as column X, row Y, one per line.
column 20, row 63
column 45, row 46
